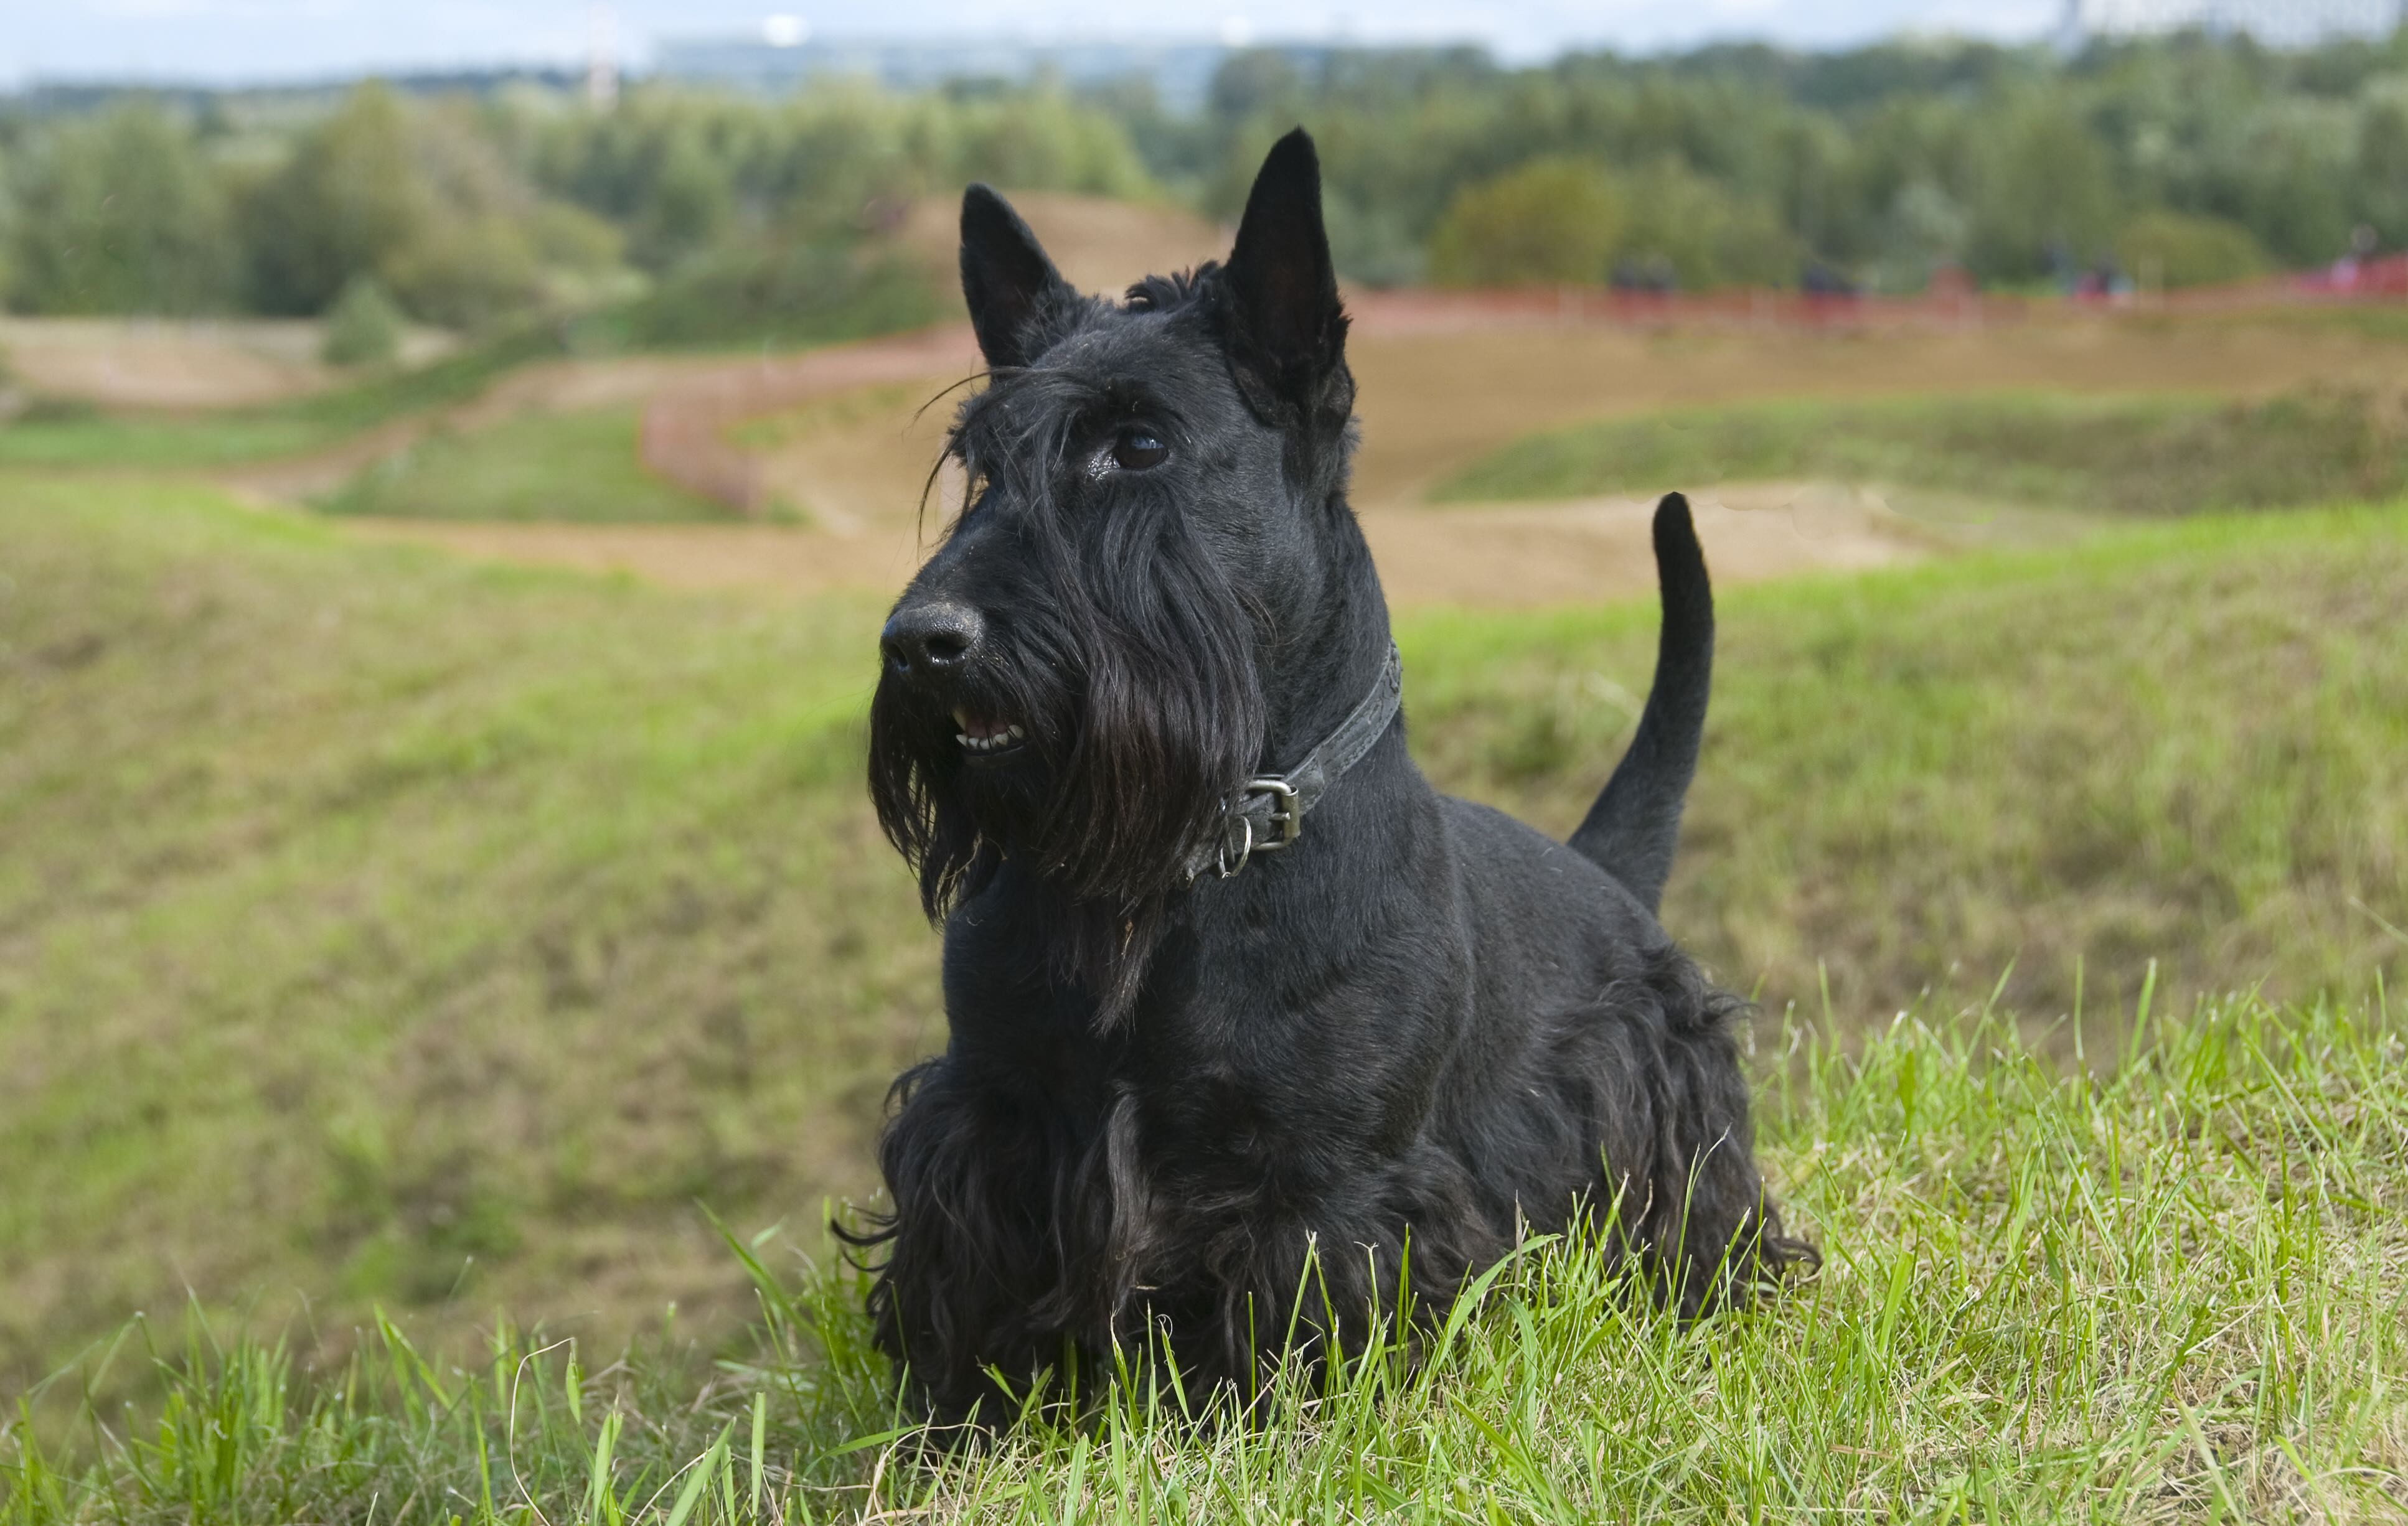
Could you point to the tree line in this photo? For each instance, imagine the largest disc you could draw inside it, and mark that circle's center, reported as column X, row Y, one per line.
column 701, row 216
column 2189, row 158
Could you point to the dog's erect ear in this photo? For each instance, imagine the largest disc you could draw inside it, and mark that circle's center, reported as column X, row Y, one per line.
column 1006, row 279
column 1288, row 332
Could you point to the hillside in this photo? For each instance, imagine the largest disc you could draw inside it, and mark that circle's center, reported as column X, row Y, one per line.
column 467, row 926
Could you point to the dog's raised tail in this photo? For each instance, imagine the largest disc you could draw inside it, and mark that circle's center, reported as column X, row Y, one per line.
column 1636, row 823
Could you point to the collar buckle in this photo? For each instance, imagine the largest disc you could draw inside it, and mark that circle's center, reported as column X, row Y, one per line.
column 1285, row 816
column 1285, row 813
column 1268, row 814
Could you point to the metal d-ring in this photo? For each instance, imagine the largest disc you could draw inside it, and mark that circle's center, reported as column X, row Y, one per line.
column 1227, row 869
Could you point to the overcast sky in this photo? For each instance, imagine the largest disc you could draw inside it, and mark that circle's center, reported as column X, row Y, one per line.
column 223, row 41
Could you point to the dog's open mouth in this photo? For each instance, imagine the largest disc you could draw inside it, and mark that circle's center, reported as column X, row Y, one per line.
column 987, row 736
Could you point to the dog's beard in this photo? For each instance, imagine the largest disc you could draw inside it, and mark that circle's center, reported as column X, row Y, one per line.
column 1134, row 676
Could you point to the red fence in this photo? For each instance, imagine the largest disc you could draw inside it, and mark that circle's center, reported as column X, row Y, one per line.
column 1422, row 311
column 2354, row 278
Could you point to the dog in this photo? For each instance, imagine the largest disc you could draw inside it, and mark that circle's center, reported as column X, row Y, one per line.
column 1256, row 1042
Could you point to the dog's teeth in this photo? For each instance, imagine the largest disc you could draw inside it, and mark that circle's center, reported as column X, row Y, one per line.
column 992, row 742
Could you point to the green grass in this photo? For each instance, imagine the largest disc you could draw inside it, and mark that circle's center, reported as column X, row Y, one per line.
column 2186, row 742
column 2164, row 1285
column 2143, row 455
column 2380, row 322
column 376, row 928
column 805, row 421
column 534, row 465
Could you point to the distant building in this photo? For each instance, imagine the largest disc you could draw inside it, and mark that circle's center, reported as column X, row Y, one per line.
column 2282, row 22
column 785, row 58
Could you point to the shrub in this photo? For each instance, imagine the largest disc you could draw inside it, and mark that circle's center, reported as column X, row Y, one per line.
column 783, row 290
column 362, row 327
column 1553, row 220
column 1705, row 234
column 467, row 271
column 2177, row 249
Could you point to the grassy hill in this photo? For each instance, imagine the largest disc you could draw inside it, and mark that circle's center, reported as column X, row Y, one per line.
column 379, row 928
column 582, row 465
column 2139, row 454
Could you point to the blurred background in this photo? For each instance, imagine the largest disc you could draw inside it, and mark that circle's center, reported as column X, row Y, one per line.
column 453, row 462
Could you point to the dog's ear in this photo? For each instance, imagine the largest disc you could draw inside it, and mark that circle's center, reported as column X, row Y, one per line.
column 1287, row 332
column 1009, row 284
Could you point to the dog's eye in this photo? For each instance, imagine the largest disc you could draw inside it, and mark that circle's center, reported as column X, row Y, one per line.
column 1139, row 451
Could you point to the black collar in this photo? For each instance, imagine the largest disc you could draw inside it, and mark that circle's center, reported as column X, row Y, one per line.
column 1268, row 813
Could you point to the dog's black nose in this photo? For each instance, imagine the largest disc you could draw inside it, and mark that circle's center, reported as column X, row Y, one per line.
column 932, row 638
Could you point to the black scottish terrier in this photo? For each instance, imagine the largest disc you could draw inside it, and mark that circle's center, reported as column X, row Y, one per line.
column 1256, row 1040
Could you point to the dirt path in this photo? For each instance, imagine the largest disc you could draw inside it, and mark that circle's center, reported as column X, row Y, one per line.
column 1516, row 555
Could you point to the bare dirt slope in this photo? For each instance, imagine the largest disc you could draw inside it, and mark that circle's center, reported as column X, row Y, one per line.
column 154, row 363
column 1432, row 402
column 1517, row 556
column 1098, row 244
column 195, row 365
column 850, row 434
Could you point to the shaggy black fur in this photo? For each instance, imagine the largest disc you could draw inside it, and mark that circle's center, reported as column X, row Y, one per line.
column 1390, row 1047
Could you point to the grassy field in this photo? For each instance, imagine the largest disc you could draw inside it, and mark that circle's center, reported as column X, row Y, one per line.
column 379, row 928
column 2127, row 454
column 2163, row 1284
column 580, row 466
column 2186, row 742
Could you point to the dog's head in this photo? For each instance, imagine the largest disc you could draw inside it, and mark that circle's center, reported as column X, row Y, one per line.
column 1077, row 679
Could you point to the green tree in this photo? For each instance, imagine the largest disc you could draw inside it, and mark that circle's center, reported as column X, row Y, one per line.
column 119, row 214
column 688, row 200
column 1044, row 139
column 1553, row 220
column 421, row 199
column 2382, row 168
column 2044, row 186
column 2294, row 186
column 349, row 197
